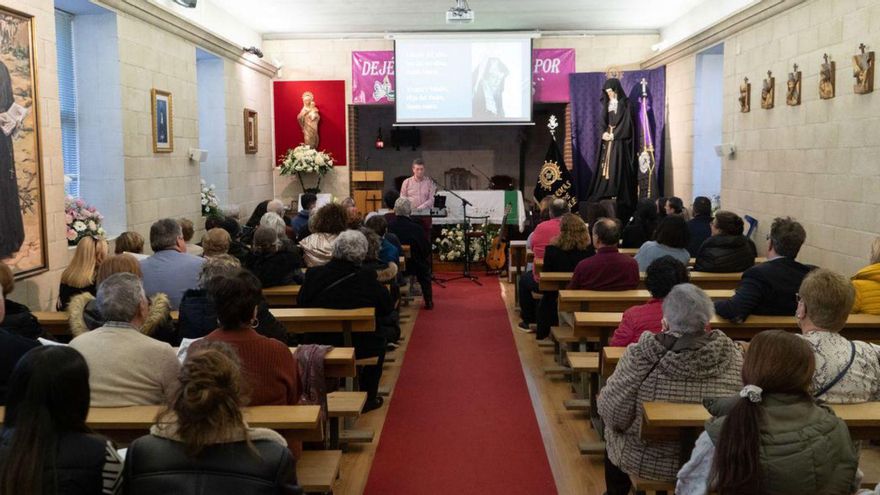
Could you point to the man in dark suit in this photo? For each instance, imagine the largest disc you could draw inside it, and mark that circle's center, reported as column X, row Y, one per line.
column 411, row 232
column 771, row 288
column 700, row 226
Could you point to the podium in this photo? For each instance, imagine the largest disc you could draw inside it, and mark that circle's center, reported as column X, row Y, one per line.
column 366, row 188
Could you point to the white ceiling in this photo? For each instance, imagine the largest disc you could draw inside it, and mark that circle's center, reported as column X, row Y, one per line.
column 371, row 16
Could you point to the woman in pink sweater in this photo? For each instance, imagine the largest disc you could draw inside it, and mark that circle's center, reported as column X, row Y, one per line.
column 662, row 275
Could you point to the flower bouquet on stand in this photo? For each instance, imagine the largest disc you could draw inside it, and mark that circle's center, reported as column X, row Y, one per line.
column 449, row 245
column 82, row 220
column 210, row 205
column 306, row 160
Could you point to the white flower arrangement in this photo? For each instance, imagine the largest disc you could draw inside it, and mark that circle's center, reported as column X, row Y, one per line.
column 306, row 160
column 82, row 220
column 210, row 206
column 450, row 244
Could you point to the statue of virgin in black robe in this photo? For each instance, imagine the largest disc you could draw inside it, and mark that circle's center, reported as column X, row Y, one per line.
column 615, row 174
column 11, row 225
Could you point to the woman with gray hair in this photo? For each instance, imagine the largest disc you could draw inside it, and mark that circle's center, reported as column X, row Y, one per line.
column 344, row 283
column 686, row 363
column 272, row 265
column 198, row 314
column 276, row 223
column 126, row 367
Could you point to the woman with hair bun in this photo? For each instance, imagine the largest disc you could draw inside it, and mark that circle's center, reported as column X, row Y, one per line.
column 201, row 442
column 773, row 438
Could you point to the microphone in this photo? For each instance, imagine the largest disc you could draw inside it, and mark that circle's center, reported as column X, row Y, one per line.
column 367, row 163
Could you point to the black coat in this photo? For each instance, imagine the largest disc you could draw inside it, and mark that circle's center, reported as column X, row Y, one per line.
column 700, row 229
column 281, row 268
column 12, row 348
column 198, row 317
column 360, row 290
column 412, row 233
column 20, row 321
column 79, row 462
column 156, row 465
column 635, row 234
column 726, row 254
column 559, row 260
column 766, row 289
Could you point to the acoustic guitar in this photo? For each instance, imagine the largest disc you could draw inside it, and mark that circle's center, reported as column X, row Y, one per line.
column 497, row 257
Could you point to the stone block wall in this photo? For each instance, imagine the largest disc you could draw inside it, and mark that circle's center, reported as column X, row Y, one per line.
column 818, row 161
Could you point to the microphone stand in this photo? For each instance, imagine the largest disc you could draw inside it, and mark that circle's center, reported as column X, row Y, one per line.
column 466, row 269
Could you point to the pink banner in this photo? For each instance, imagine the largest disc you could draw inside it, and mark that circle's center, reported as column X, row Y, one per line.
column 550, row 70
column 372, row 78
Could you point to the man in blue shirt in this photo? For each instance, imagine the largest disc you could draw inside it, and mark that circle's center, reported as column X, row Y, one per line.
column 170, row 270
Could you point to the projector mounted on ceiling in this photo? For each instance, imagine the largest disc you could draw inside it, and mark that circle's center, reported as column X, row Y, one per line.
column 460, row 14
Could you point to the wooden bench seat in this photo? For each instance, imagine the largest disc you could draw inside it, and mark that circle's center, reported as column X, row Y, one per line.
column 609, row 359
column 666, row 420
column 283, row 296
column 650, row 487
column 583, row 362
column 346, row 406
column 551, row 281
column 338, row 363
column 317, row 470
column 300, row 422
column 601, row 325
column 614, row 301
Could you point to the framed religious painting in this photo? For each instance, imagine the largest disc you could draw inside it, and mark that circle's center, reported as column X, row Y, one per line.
column 22, row 212
column 162, row 109
column 250, row 131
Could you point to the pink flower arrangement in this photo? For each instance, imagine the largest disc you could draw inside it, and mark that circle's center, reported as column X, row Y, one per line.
column 82, row 220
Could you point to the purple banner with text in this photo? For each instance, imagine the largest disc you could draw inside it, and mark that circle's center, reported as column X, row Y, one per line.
column 372, row 77
column 550, row 70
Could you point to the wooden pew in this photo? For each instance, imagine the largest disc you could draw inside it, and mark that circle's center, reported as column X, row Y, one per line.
column 706, row 281
column 283, row 296
column 338, row 363
column 321, row 320
column 300, row 422
column 517, row 260
column 608, row 359
column 666, row 420
column 601, row 325
column 600, row 300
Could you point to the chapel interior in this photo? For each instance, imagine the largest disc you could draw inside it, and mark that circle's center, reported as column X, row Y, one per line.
column 446, row 246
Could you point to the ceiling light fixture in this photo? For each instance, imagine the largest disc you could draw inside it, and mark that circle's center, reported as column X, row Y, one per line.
column 460, row 14
column 190, row 4
column 254, row 51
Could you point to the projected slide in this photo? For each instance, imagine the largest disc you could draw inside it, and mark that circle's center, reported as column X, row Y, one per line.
column 474, row 80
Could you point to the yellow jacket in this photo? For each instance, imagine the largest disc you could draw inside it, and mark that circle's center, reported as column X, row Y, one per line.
column 867, row 284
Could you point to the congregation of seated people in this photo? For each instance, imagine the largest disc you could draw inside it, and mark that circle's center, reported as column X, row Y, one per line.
column 123, row 347
column 764, row 396
column 769, row 432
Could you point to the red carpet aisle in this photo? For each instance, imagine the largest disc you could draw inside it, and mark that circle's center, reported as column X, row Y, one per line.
column 461, row 420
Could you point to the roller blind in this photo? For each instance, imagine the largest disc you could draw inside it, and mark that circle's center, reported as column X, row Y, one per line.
column 67, row 101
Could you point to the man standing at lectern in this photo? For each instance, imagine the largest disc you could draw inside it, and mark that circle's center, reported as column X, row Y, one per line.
column 420, row 190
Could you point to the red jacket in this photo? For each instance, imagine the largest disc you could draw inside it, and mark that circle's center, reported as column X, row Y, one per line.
column 637, row 320
column 606, row 270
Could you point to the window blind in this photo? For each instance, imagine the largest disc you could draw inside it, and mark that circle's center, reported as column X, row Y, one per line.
column 67, row 101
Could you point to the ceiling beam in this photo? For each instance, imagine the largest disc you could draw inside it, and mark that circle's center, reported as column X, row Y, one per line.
column 167, row 21
column 720, row 31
